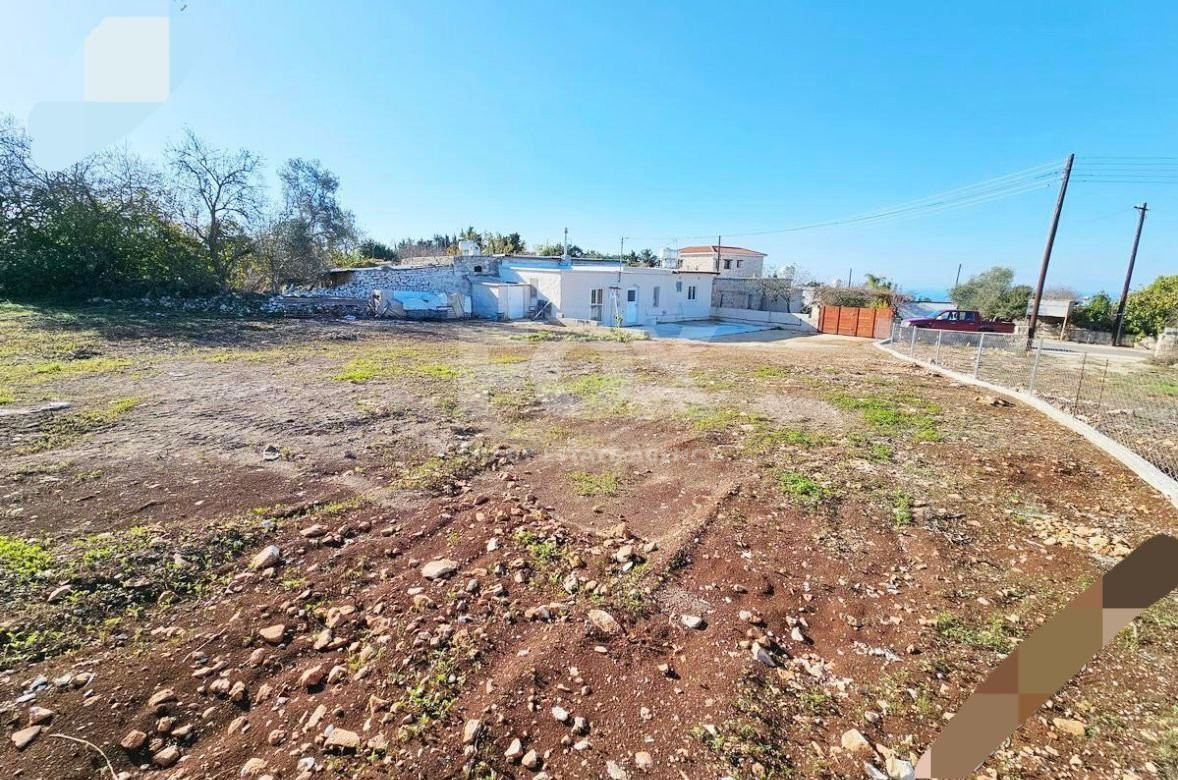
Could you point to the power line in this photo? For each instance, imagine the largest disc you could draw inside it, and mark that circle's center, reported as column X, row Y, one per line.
column 1008, row 185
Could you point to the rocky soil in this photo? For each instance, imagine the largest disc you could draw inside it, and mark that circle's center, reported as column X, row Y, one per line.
column 260, row 548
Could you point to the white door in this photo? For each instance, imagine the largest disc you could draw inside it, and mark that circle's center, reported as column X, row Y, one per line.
column 632, row 306
column 516, row 302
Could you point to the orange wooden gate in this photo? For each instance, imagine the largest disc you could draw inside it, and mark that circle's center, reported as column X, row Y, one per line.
column 853, row 321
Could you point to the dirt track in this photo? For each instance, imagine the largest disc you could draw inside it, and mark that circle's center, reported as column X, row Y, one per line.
column 862, row 540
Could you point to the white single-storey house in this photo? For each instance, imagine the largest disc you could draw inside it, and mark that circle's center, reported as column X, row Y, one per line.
column 512, row 287
column 609, row 293
column 727, row 261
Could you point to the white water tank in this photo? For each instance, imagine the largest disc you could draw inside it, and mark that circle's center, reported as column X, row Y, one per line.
column 669, row 258
column 469, row 248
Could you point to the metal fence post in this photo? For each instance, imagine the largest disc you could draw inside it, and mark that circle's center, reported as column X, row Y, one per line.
column 977, row 362
column 912, row 344
column 1080, row 384
column 937, row 354
column 1035, row 366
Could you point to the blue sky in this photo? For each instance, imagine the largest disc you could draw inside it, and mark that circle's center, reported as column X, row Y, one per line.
column 676, row 120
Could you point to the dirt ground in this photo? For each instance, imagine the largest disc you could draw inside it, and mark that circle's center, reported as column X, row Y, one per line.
column 304, row 548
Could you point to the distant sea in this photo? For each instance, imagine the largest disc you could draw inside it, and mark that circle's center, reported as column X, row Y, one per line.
column 930, row 293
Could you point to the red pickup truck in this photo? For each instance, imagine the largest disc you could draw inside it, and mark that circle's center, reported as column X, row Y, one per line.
column 958, row 319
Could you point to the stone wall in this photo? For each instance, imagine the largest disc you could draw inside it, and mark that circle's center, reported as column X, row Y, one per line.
column 420, row 274
column 756, row 294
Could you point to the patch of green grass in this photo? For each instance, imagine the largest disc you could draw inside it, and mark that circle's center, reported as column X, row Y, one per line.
column 894, row 414
column 767, row 439
column 801, row 488
column 1163, row 386
column 35, row 373
column 602, row 334
column 544, row 551
column 901, row 509
column 506, row 358
column 1166, row 752
column 438, row 371
column 880, row 452
column 994, row 635
column 64, row 429
column 6, row 396
column 712, row 419
column 362, row 370
column 22, row 559
column 770, row 372
column 438, row 473
column 112, row 576
column 591, row 386
column 588, row 484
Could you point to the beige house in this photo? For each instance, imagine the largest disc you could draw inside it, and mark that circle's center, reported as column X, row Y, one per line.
column 727, row 261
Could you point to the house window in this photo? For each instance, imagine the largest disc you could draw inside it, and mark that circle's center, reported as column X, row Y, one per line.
column 678, row 286
column 654, row 297
column 727, row 264
column 691, row 292
column 632, row 295
column 596, row 303
column 739, row 263
column 478, row 269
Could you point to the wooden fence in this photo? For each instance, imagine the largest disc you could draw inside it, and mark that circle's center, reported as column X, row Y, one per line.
column 851, row 321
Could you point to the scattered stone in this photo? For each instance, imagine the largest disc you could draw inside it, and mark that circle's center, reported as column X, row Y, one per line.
column 854, row 741
column 134, row 740
column 514, row 750
column 471, row 731
column 39, row 715
column 615, row 771
column 342, row 740
column 899, row 769
column 560, row 713
column 1068, row 726
column 313, row 677
column 25, row 737
column 762, row 655
column 531, row 760
column 59, row 593
column 162, row 696
column 643, row 761
column 439, row 569
column 604, row 622
column 692, row 621
column 267, row 558
column 253, row 767
column 166, row 757
column 276, row 737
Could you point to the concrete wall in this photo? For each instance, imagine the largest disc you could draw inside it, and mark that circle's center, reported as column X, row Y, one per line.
column 760, row 294
column 741, row 266
column 799, row 322
column 446, row 274
column 1167, row 346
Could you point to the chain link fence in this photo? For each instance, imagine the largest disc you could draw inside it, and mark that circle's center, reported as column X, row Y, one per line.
column 1124, row 396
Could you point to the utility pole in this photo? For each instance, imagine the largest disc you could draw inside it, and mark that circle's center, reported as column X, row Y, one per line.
column 1120, row 322
column 719, row 241
column 566, row 242
column 1063, row 190
column 849, row 272
column 622, row 251
column 957, row 281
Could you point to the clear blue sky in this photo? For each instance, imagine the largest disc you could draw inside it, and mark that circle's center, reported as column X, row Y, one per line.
column 676, row 119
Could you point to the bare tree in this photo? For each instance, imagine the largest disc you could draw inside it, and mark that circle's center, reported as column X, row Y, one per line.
column 218, row 198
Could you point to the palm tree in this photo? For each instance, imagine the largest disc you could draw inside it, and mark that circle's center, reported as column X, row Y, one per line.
column 881, row 283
